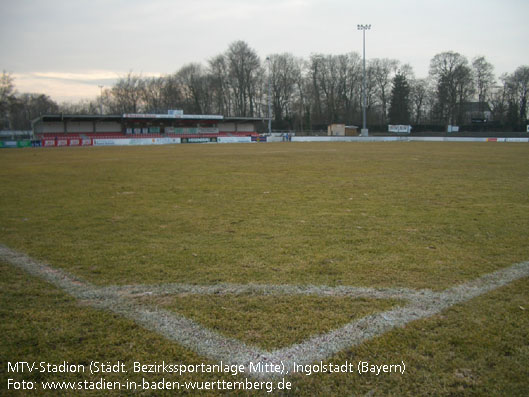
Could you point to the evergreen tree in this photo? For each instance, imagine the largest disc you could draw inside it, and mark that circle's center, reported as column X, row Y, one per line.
column 399, row 108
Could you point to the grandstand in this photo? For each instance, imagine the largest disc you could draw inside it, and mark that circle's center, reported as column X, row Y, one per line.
column 79, row 130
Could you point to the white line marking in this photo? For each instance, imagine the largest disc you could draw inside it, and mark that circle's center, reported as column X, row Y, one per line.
column 422, row 304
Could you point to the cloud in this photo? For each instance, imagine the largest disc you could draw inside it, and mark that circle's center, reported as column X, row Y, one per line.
column 68, row 87
column 59, row 88
column 79, row 45
column 94, row 77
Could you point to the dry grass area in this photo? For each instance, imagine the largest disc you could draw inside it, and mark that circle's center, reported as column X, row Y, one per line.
column 418, row 215
column 412, row 215
column 248, row 317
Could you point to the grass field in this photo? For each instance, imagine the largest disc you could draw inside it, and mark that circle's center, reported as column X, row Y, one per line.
column 383, row 215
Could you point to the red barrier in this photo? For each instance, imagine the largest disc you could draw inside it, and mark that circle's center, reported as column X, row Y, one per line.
column 67, row 142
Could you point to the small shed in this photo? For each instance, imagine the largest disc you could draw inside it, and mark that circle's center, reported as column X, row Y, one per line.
column 336, row 130
column 342, row 130
column 351, row 130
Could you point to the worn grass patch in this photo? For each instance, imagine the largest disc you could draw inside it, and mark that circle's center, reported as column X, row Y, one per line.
column 39, row 323
column 271, row 322
column 418, row 215
column 478, row 348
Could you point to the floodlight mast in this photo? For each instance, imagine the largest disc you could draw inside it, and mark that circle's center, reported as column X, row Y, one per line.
column 269, row 96
column 365, row 131
column 101, row 99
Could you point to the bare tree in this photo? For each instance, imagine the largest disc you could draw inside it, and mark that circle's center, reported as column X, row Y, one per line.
column 517, row 87
column 419, row 90
column 499, row 100
column 302, row 103
column 126, row 95
column 314, row 92
column 382, row 72
column 153, row 95
column 483, row 78
column 7, row 98
column 284, row 75
column 243, row 68
column 349, row 85
column 219, row 85
column 464, row 88
column 328, row 77
column 453, row 79
column 28, row 107
column 372, row 96
column 194, row 85
column 172, row 97
column 84, row 106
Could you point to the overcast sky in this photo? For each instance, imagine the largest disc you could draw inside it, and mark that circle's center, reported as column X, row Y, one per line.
column 66, row 48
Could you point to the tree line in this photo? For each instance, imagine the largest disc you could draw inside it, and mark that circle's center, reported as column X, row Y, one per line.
column 305, row 94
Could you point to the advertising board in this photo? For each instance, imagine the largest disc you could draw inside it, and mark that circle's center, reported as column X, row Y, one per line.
column 399, row 129
column 135, row 141
column 234, row 139
column 198, row 140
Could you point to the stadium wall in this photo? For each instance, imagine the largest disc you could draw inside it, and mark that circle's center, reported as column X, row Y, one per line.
column 401, row 139
column 77, row 141
column 135, row 141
